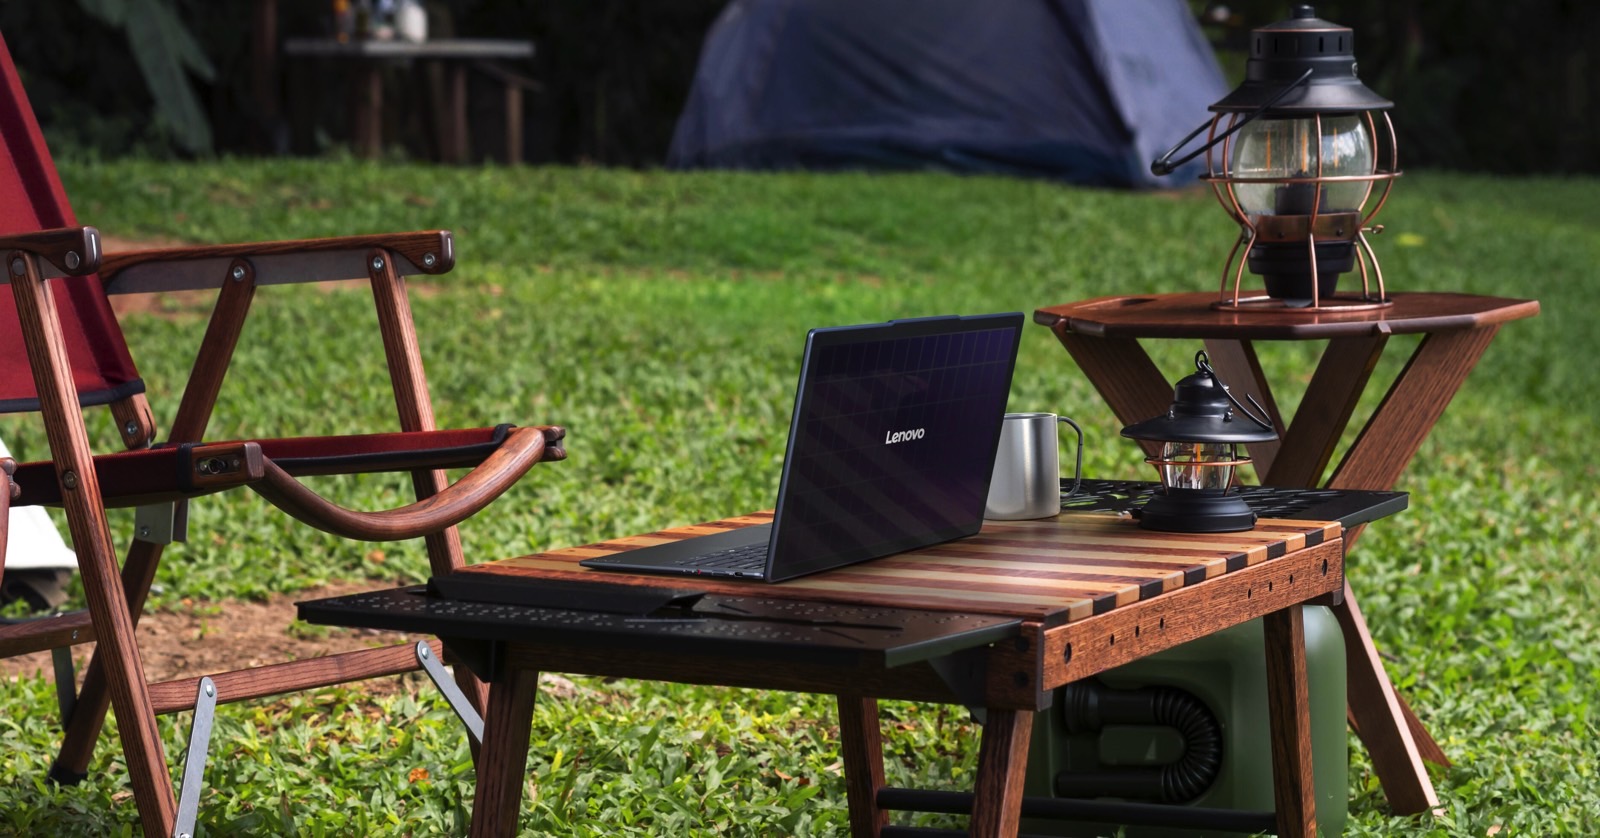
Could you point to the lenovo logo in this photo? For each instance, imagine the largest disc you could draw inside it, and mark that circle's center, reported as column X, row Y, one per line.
column 891, row 437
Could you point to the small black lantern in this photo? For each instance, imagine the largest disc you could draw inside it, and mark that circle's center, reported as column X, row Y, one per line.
column 1200, row 435
column 1312, row 142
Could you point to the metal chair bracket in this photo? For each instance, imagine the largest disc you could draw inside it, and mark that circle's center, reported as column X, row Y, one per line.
column 452, row 692
column 966, row 672
column 162, row 523
column 194, row 762
column 66, row 682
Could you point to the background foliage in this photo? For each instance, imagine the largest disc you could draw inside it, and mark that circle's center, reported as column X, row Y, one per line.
column 1479, row 85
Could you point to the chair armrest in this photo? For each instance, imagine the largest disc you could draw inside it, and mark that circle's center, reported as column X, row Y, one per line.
column 522, row 449
column 275, row 263
column 67, row 251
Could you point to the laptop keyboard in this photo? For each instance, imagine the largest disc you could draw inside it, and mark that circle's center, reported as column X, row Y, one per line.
column 752, row 557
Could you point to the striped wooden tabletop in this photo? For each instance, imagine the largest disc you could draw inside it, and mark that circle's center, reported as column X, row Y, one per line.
column 1054, row 570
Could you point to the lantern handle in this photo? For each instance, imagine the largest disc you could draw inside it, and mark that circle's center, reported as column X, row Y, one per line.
column 1165, row 165
column 1202, row 362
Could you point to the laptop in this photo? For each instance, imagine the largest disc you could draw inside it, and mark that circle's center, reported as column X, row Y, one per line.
column 891, row 447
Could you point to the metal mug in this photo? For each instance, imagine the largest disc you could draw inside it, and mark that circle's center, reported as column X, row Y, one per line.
column 1027, row 468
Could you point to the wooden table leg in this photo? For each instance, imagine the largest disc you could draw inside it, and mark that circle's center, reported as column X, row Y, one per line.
column 1379, row 719
column 1294, row 790
column 1002, row 764
column 503, row 761
column 861, row 739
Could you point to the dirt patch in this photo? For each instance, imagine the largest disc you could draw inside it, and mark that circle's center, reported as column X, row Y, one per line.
column 210, row 637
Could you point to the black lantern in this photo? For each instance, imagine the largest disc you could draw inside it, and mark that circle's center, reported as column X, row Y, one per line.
column 1303, row 143
column 1200, row 435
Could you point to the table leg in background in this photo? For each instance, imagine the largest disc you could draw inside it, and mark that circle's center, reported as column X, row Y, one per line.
column 503, row 760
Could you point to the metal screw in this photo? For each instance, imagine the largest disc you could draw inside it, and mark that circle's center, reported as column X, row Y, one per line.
column 144, row 532
column 17, row 267
column 130, row 427
column 211, row 690
column 238, row 273
column 74, row 634
column 72, row 260
column 377, row 263
column 69, row 479
column 424, row 652
column 428, row 259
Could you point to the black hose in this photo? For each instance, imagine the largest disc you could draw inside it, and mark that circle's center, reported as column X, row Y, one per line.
column 1089, row 706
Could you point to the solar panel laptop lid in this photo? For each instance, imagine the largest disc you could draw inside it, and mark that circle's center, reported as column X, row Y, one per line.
column 891, row 447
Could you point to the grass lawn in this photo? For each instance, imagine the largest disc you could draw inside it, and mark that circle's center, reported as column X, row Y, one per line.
column 659, row 317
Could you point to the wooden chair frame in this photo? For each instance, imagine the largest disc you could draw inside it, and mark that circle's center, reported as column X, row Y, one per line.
column 84, row 484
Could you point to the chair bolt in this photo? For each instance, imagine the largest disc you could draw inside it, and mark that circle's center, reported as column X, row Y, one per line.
column 428, row 260
column 69, row 479
column 238, row 273
column 73, row 261
column 377, row 263
column 17, row 267
column 130, row 427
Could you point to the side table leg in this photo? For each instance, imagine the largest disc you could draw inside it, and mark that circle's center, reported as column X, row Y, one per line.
column 1379, row 718
column 1288, row 706
column 1002, row 764
column 503, row 761
column 861, row 739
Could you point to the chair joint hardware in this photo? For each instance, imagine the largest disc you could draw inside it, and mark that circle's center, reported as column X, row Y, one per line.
column 452, row 692
column 194, row 762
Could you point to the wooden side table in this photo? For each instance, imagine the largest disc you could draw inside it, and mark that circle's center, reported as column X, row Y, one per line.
column 457, row 53
column 1103, row 337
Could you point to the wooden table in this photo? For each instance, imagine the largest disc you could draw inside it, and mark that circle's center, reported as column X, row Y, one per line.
column 370, row 55
column 1103, row 337
column 1076, row 595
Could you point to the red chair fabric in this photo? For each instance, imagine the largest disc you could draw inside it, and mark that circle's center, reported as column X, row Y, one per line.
column 32, row 199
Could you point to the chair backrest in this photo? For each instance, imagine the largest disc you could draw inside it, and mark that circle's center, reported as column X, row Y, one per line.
column 31, row 199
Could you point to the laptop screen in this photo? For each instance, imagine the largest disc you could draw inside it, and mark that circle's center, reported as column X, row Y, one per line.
column 893, row 438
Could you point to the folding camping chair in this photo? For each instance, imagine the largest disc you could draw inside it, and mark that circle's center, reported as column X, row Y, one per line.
column 61, row 350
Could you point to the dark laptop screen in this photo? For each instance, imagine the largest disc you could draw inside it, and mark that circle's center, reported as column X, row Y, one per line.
column 893, row 438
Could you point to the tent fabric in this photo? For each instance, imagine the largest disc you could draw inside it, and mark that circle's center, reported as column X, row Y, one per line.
column 1088, row 91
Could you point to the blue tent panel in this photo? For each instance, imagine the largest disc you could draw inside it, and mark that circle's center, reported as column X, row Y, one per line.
column 1083, row 90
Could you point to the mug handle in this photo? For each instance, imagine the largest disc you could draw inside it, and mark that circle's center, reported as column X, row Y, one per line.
column 1077, row 470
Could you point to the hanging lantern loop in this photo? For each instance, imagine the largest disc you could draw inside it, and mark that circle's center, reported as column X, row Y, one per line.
column 1165, row 165
column 1202, row 362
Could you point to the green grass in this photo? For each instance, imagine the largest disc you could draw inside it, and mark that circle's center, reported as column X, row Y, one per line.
column 659, row 317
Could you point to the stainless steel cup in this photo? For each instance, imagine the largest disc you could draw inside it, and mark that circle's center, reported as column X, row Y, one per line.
column 1027, row 468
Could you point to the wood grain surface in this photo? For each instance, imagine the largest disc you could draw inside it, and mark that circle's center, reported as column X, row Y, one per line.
column 1056, row 570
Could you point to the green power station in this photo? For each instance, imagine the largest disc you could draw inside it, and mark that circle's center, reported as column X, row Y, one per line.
column 1188, row 727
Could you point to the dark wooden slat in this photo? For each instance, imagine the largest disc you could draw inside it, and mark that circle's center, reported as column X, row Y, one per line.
column 211, row 363
column 274, row 263
column 504, row 758
column 1325, row 410
column 44, row 633
column 1288, row 706
column 1002, row 765
column 291, row 676
column 861, row 741
column 91, row 540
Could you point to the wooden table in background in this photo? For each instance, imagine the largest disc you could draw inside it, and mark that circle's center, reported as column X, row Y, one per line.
column 370, row 56
column 1103, row 337
column 1074, row 595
